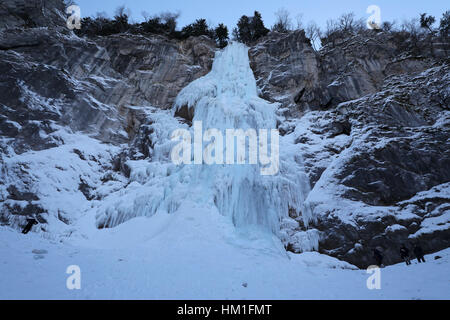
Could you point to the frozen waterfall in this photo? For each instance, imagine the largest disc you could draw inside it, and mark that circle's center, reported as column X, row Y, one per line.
column 226, row 98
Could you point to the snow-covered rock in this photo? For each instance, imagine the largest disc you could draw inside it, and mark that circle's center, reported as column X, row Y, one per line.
column 373, row 129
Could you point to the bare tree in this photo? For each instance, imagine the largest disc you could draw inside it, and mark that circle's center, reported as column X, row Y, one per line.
column 146, row 15
column 313, row 32
column 411, row 26
column 347, row 21
column 299, row 19
column 283, row 22
column 101, row 15
column 122, row 11
column 331, row 27
column 413, row 29
column 170, row 19
column 388, row 26
column 360, row 25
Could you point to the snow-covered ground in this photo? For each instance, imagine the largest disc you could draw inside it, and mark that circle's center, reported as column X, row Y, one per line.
column 195, row 254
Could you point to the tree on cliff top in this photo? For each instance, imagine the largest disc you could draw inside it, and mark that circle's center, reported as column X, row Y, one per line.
column 221, row 35
column 257, row 25
column 426, row 22
column 283, row 23
column 444, row 26
column 250, row 29
column 198, row 28
column 120, row 22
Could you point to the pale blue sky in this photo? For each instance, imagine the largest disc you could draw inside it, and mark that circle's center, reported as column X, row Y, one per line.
column 229, row 11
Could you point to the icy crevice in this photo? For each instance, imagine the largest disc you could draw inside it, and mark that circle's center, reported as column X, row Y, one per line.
column 226, row 98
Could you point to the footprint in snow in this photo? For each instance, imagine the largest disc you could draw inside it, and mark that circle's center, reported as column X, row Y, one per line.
column 39, row 254
column 36, row 251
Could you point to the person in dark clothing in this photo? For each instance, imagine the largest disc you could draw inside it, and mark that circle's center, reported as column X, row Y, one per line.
column 31, row 223
column 404, row 253
column 418, row 251
column 378, row 257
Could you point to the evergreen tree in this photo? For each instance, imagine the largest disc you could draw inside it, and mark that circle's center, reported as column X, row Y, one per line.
column 257, row 26
column 243, row 31
column 198, row 28
column 426, row 22
column 444, row 27
column 221, row 35
column 121, row 20
column 250, row 29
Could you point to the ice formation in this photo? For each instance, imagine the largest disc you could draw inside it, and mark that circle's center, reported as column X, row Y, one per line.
column 226, row 98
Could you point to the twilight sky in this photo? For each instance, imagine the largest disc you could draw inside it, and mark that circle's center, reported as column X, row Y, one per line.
column 229, row 11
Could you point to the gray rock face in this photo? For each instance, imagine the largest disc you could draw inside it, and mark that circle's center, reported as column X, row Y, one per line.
column 156, row 69
column 31, row 13
column 88, row 85
column 52, row 82
column 407, row 148
column 285, row 65
column 291, row 72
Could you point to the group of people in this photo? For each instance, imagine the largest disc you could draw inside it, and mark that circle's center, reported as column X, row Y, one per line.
column 418, row 252
column 404, row 254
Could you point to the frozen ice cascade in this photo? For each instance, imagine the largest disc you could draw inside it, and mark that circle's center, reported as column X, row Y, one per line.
column 226, row 98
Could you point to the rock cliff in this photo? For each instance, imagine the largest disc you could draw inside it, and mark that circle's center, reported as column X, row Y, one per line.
column 374, row 127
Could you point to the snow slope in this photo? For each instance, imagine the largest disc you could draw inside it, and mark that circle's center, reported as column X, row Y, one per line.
column 195, row 254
